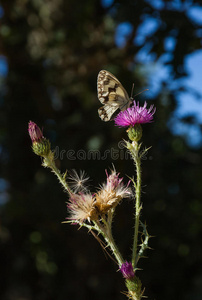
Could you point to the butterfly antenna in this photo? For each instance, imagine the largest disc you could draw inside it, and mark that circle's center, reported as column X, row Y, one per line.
column 141, row 92
column 131, row 96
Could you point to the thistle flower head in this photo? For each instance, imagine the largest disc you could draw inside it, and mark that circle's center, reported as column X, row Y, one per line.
column 35, row 132
column 127, row 270
column 40, row 145
column 77, row 181
column 113, row 180
column 111, row 193
column 81, row 207
column 135, row 115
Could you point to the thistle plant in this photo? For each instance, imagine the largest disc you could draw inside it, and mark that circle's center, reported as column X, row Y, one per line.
column 95, row 211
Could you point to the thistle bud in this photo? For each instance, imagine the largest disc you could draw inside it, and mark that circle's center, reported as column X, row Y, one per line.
column 134, row 286
column 40, row 145
column 127, row 270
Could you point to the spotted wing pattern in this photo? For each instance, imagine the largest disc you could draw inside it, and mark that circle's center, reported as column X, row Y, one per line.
column 111, row 94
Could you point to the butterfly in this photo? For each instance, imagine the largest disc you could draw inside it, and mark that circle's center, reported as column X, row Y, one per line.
column 112, row 94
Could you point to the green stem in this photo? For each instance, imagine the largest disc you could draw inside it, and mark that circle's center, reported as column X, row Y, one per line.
column 50, row 163
column 107, row 234
column 109, row 239
column 137, row 204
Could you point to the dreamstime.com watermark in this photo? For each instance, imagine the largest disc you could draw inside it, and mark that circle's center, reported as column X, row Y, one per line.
column 114, row 154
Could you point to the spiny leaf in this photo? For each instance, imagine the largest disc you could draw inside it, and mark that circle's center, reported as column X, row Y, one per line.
column 133, row 181
column 64, row 175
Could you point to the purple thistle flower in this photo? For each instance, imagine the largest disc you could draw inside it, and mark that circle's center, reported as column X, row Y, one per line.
column 127, row 270
column 35, row 132
column 135, row 115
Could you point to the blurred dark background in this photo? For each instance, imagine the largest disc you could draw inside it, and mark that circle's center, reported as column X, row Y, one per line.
column 50, row 55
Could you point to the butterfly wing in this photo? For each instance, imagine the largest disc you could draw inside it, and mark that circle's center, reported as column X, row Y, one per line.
column 106, row 112
column 112, row 94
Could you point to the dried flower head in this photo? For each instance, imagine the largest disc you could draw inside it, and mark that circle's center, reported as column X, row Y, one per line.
column 77, row 182
column 127, row 270
column 81, row 207
column 135, row 115
column 111, row 193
